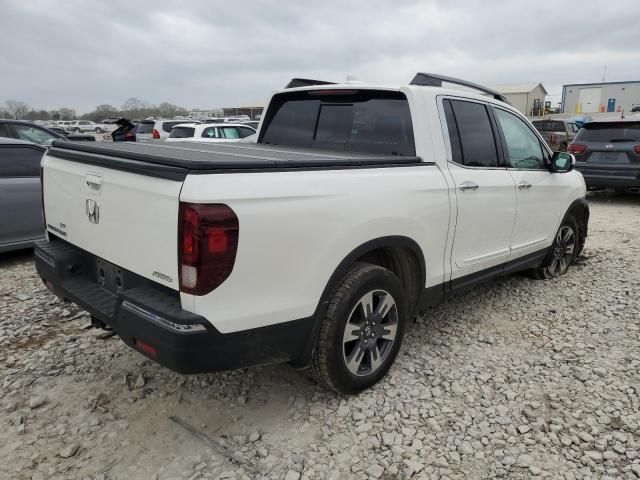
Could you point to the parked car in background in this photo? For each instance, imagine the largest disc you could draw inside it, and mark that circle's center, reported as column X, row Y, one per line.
column 126, row 131
column 608, row 154
column 198, row 132
column 558, row 133
column 580, row 120
column 20, row 195
column 150, row 130
column 110, row 120
column 79, row 126
column 28, row 131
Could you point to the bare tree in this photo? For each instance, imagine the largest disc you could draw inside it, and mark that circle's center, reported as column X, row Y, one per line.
column 67, row 113
column 17, row 109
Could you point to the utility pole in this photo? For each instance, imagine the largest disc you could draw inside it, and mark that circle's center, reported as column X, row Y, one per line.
column 604, row 74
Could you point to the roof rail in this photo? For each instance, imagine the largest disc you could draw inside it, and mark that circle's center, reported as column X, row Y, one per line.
column 435, row 80
column 306, row 82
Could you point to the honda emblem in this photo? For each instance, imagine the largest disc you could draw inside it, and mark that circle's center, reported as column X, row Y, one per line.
column 93, row 211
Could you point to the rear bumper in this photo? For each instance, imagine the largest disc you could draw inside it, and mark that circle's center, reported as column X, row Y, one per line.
column 145, row 314
column 609, row 175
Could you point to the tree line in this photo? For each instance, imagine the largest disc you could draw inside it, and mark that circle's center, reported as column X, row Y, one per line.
column 133, row 109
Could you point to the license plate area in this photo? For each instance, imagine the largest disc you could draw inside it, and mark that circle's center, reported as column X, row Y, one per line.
column 110, row 277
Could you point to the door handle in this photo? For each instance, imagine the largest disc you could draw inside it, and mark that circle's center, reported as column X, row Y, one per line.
column 468, row 185
column 524, row 185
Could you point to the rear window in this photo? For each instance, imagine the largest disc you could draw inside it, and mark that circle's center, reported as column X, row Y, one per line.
column 145, row 127
column 182, row 132
column 346, row 120
column 549, row 126
column 610, row 132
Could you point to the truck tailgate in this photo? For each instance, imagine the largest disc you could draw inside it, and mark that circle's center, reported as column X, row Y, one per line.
column 126, row 218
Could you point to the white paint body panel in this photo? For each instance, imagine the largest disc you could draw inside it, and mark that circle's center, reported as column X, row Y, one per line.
column 138, row 216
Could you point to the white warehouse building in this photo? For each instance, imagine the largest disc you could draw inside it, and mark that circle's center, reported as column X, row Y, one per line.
column 526, row 97
column 600, row 97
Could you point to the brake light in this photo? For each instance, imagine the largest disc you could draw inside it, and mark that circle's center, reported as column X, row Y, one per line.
column 636, row 149
column 208, row 241
column 130, row 136
column 155, row 134
column 577, row 148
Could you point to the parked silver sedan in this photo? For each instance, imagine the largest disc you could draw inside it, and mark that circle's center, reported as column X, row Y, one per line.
column 21, row 222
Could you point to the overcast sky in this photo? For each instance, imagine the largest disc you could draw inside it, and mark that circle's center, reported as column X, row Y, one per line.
column 79, row 54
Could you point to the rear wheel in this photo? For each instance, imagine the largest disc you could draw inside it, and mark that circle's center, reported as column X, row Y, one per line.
column 565, row 249
column 76, row 130
column 361, row 330
column 98, row 130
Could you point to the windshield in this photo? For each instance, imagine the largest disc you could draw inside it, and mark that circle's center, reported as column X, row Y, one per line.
column 367, row 121
column 610, row 132
column 549, row 126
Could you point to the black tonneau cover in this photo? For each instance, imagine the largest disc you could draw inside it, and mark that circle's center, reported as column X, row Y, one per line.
column 174, row 160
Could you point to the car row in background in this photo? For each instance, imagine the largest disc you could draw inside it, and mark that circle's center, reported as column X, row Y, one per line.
column 207, row 132
column 20, row 194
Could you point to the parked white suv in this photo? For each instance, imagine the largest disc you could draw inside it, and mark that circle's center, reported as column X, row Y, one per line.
column 358, row 205
column 149, row 130
column 81, row 126
column 227, row 132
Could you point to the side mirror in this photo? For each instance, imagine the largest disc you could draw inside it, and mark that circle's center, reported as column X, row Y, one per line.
column 562, row 162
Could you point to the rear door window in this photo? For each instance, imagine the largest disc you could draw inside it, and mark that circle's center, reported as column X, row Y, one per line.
column 230, row 132
column 367, row 121
column 211, row 132
column 610, row 132
column 471, row 127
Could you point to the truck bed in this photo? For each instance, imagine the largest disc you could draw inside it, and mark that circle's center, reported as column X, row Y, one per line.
column 175, row 161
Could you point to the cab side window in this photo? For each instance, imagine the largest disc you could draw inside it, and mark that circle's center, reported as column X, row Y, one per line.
column 470, row 134
column 523, row 149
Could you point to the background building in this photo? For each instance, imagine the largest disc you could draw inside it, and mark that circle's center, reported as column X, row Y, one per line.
column 600, row 97
column 526, row 97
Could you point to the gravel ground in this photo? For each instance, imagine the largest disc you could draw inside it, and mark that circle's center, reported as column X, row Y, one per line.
column 517, row 379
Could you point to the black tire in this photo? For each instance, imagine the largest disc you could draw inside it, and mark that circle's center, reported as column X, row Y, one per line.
column 329, row 365
column 562, row 254
column 76, row 130
column 98, row 130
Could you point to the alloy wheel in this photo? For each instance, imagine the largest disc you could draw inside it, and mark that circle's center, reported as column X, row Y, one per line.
column 563, row 249
column 370, row 332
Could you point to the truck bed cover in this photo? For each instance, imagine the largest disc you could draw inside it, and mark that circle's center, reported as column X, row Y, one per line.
column 175, row 160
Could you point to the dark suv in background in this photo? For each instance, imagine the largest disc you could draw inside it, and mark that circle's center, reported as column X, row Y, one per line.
column 608, row 154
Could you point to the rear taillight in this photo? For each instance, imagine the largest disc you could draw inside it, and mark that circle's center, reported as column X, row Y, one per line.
column 577, row 148
column 44, row 218
column 156, row 134
column 636, row 149
column 131, row 136
column 208, row 241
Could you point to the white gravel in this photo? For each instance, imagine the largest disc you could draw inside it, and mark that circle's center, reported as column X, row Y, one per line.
column 517, row 379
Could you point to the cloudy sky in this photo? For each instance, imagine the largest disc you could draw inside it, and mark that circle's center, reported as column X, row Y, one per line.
column 80, row 54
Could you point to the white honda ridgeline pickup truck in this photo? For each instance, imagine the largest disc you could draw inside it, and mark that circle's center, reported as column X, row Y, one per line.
column 358, row 206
